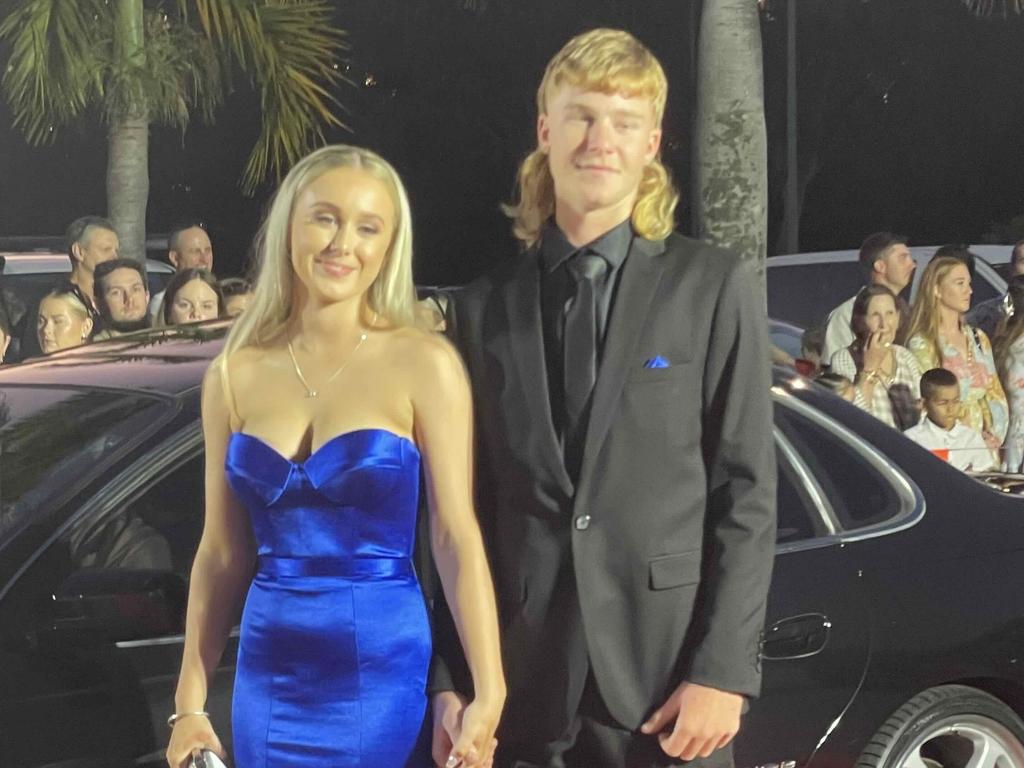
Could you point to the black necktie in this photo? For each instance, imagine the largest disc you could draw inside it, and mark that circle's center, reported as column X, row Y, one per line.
column 580, row 341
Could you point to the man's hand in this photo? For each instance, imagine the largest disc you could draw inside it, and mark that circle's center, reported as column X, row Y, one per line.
column 449, row 707
column 706, row 719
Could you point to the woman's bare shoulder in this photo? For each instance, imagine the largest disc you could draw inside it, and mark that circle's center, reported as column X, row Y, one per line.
column 248, row 361
column 426, row 353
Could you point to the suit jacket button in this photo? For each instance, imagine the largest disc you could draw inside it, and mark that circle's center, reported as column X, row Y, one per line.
column 582, row 522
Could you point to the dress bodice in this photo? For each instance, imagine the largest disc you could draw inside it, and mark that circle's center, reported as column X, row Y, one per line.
column 356, row 496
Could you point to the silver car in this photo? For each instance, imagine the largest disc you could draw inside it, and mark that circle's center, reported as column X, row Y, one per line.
column 804, row 287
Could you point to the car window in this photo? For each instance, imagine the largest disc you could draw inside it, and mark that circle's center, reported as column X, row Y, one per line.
column 804, row 294
column 120, row 571
column 798, row 516
column 983, row 290
column 52, row 438
column 157, row 529
column 860, row 495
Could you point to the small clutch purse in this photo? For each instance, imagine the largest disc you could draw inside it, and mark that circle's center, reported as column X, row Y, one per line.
column 207, row 759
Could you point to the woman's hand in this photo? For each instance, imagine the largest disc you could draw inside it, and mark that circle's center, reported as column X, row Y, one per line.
column 475, row 744
column 189, row 735
column 875, row 352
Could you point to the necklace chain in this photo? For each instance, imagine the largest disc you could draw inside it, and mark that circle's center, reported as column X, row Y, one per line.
column 310, row 392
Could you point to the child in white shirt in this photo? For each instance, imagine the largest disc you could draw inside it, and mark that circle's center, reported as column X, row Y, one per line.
column 941, row 433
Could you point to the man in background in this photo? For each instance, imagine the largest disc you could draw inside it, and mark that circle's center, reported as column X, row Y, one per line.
column 188, row 247
column 122, row 298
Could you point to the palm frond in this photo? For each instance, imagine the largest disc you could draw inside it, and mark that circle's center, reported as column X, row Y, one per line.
column 1002, row 8
column 59, row 51
column 177, row 74
column 292, row 53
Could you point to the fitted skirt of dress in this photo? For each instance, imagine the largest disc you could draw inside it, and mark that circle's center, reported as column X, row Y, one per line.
column 332, row 673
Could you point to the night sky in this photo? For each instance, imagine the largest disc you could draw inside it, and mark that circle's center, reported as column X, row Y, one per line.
column 911, row 118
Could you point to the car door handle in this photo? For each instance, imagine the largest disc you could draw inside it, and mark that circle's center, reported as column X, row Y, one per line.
column 796, row 637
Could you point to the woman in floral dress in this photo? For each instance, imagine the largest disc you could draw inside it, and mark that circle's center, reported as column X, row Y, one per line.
column 939, row 338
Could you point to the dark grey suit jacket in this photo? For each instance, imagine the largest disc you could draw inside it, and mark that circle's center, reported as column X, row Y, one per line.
column 672, row 523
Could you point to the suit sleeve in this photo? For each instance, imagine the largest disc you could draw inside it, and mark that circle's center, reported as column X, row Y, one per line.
column 739, row 456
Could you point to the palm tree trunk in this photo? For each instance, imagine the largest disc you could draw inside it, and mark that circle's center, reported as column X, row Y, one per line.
column 731, row 139
column 128, row 142
column 128, row 182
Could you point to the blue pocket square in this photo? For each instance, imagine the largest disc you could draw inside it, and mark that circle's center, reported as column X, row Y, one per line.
column 657, row 362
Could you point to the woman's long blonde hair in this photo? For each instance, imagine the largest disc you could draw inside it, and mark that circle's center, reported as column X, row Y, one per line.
column 607, row 61
column 924, row 315
column 392, row 296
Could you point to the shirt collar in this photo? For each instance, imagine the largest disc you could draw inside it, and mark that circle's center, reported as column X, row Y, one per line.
column 612, row 246
column 936, row 429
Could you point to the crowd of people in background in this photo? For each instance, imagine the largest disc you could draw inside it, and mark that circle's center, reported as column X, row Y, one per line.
column 898, row 361
column 106, row 296
column 951, row 377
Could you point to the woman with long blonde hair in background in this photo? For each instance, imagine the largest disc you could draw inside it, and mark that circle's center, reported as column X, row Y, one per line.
column 940, row 338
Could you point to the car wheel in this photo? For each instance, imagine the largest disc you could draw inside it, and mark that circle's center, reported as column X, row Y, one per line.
column 951, row 726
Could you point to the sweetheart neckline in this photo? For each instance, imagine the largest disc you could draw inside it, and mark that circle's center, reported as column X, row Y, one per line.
column 323, row 445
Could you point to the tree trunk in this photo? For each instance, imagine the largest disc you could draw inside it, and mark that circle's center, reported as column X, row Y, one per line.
column 128, row 183
column 128, row 141
column 731, row 144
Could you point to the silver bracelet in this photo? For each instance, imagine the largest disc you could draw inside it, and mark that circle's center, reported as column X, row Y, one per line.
column 179, row 715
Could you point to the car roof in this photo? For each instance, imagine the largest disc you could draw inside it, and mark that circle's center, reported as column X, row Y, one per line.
column 169, row 361
column 45, row 262
column 993, row 254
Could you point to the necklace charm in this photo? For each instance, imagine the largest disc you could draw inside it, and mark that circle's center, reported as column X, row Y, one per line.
column 313, row 393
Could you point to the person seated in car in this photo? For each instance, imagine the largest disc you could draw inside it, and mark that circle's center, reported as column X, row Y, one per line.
column 941, row 432
column 885, row 375
column 122, row 298
column 192, row 296
column 237, row 292
column 63, row 319
column 885, row 260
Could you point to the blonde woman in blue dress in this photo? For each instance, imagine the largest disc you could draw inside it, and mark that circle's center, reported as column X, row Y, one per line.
column 318, row 415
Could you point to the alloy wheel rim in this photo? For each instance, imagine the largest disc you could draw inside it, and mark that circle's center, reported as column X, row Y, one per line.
column 964, row 741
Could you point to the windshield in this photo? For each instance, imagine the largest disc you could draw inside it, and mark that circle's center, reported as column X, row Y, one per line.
column 54, row 438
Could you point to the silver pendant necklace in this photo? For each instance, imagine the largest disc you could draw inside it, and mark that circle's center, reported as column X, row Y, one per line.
column 310, row 392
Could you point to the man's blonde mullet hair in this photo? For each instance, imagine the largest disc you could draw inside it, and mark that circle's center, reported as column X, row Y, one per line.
column 392, row 296
column 608, row 61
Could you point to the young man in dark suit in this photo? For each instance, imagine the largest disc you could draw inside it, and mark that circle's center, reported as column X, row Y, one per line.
column 625, row 463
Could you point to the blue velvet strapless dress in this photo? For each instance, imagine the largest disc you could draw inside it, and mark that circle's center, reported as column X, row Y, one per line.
column 335, row 640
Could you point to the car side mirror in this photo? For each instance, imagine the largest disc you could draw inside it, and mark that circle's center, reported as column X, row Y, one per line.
column 107, row 604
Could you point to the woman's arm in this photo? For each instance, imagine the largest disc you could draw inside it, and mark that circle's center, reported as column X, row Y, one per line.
column 443, row 425
column 863, row 384
column 220, row 573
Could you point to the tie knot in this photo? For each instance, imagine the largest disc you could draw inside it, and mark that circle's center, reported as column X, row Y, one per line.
column 586, row 266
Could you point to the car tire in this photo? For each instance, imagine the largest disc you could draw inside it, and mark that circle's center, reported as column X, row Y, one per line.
column 943, row 727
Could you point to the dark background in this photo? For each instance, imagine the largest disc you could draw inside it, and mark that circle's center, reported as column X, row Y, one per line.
column 911, row 118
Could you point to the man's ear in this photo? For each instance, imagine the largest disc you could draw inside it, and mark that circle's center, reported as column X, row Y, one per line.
column 172, row 256
column 86, row 328
column 653, row 144
column 76, row 252
column 543, row 133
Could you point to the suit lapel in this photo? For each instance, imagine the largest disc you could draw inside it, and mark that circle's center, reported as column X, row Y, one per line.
column 640, row 277
column 526, row 340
